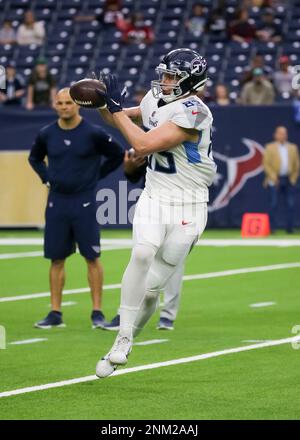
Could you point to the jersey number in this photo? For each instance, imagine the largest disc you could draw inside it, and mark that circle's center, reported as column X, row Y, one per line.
column 169, row 169
column 192, row 154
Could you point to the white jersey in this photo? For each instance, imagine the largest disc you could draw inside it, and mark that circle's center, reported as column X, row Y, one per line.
column 181, row 174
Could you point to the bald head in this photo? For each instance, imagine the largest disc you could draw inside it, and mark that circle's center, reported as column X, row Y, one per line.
column 65, row 106
column 63, row 93
column 281, row 134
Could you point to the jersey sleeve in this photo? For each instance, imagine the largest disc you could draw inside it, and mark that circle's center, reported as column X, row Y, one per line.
column 192, row 114
column 37, row 156
column 108, row 147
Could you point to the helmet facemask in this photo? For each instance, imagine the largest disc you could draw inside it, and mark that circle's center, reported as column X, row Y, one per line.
column 157, row 86
column 180, row 88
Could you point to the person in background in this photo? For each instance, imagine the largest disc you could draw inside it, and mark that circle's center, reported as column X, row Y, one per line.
column 216, row 23
column 15, row 87
column 221, row 95
column 281, row 164
column 241, row 30
column 197, row 21
column 31, row 31
column 268, row 31
column 111, row 16
column 135, row 31
column 256, row 62
column 41, row 89
column 7, row 33
column 283, row 78
column 259, row 91
column 79, row 154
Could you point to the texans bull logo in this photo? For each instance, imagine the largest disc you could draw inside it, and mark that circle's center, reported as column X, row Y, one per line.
column 239, row 170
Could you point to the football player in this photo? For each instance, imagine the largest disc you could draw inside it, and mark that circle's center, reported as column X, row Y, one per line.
column 172, row 211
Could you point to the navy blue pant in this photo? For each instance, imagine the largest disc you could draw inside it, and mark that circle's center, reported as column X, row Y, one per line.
column 71, row 219
column 287, row 191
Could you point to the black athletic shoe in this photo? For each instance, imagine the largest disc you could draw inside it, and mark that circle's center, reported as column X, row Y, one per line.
column 53, row 319
column 98, row 319
column 114, row 324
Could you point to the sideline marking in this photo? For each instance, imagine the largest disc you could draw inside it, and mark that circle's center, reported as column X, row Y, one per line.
column 185, row 360
column 262, row 304
column 151, row 341
column 28, row 341
column 199, row 276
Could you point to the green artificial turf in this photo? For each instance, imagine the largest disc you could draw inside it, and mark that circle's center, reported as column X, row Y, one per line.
column 214, row 315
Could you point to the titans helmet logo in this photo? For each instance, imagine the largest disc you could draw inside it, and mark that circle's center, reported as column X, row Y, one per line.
column 198, row 65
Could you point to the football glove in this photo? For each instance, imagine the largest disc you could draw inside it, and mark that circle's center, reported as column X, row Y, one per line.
column 113, row 96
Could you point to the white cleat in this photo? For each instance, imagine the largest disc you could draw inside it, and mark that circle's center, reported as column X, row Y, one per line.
column 120, row 350
column 105, row 368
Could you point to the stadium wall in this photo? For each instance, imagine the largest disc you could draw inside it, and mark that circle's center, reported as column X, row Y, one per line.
column 239, row 136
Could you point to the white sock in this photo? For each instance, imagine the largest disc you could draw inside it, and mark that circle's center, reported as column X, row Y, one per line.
column 133, row 288
column 147, row 309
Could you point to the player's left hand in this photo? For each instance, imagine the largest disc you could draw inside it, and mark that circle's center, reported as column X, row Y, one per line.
column 114, row 96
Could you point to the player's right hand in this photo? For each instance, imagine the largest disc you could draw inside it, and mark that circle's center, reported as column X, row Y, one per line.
column 113, row 96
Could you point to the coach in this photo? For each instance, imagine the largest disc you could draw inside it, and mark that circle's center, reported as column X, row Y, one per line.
column 75, row 150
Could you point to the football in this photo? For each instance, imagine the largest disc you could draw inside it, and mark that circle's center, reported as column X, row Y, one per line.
column 84, row 93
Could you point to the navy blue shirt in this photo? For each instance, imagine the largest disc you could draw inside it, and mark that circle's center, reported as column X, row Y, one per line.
column 74, row 156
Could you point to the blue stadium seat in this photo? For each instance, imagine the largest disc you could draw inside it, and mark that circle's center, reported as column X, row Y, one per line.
column 44, row 14
column 18, row 3
column 136, row 49
column 111, row 49
column 134, row 61
column 293, row 35
column 7, row 50
column 68, row 4
column 239, row 60
column 60, row 37
column 237, row 48
column 265, row 48
column 51, row 4
column 107, row 62
column 215, row 48
column 15, row 15
column 83, row 48
column 173, row 13
column 79, row 61
column 56, row 61
column 111, row 36
column 294, row 23
column 53, row 49
column 167, row 37
column 73, row 75
column 89, row 37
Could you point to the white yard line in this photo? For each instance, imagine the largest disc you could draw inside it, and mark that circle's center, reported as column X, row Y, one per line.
column 256, row 340
column 68, row 303
column 185, row 360
column 151, row 342
column 116, row 243
column 262, row 304
column 21, row 255
column 126, row 243
column 200, row 276
column 28, row 341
